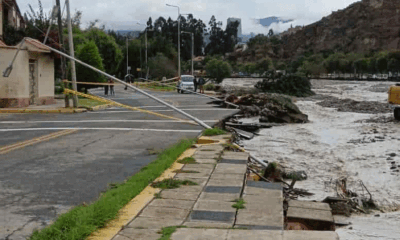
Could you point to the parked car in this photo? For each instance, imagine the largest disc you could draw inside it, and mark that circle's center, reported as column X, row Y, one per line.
column 186, row 83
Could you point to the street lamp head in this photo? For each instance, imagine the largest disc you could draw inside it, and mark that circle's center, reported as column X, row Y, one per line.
column 7, row 71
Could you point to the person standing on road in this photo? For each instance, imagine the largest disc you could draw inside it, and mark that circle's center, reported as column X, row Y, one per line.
column 201, row 83
column 106, row 88
column 128, row 80
column 195, row 84
column 111, row 86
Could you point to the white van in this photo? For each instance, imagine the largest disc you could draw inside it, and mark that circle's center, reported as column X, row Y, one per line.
column 186, row 83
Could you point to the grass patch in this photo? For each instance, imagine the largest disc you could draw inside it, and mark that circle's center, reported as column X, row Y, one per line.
column 89, row 103
column 187, row 160
column 171, row 183
column 81, row 221
column 157, row 195
column 166, row 232
column 213, row 132
column 185, row 171
column 239, row 203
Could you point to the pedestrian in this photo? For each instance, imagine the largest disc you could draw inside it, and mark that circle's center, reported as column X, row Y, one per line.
column 201, row 82
column 106, row 89
column 111, row 81
column 195, row 84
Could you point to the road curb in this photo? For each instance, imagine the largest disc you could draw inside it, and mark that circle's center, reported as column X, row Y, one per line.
column 59, row 110
column 137, row 204
column 100, row 107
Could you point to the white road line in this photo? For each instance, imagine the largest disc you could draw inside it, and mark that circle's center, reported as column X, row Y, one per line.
column 195, row 109
column 99, row 121
column 114, row 129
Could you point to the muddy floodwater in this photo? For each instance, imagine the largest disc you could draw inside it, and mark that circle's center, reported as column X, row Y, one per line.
column 345, row 143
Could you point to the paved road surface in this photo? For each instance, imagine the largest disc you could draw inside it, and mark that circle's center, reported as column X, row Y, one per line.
column 40, row 181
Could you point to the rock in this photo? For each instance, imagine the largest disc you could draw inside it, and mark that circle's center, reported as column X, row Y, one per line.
column 298, row 175
column 392, row 154
column 274, row 172
column 389, row 158
column 377, row 215
column 394, row 167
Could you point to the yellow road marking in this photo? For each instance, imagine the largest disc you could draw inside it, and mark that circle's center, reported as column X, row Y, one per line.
column 129, row 211
column 100, row 99
column 23, row 144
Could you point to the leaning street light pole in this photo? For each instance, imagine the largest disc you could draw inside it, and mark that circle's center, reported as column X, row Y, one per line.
column 179, row 42
column 72, row 53
column 192, row 48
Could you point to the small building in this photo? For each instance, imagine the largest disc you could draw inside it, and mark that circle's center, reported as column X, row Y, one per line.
column 10, row 15
column 31, row 81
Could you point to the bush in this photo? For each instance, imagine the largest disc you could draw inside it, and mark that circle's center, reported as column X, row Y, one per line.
column 218, row 70
column 292, row 84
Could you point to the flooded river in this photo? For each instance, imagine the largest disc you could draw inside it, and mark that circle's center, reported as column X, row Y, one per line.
column 343, row 144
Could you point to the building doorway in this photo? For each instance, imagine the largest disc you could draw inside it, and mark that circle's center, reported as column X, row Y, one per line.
column 33, row 81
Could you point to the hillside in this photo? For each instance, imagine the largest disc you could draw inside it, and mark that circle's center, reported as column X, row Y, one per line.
column 361, row 27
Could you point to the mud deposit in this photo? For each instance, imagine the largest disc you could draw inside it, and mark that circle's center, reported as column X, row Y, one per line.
column 361, row 143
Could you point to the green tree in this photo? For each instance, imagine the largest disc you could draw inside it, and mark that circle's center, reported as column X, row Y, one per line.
column 108, row 49
column 382, row 64
column 89, row 53
column 263, row 66
column 218, row 70
column 161, row 66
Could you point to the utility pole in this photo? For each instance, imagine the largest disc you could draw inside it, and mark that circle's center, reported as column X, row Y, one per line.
column 127, row 57
column 179, row 38
column 61, row 41
column 72, row 54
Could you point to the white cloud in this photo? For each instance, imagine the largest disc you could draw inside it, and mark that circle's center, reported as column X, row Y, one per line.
column 124, row 14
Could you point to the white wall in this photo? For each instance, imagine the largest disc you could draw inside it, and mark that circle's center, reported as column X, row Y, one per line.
column 46, row 76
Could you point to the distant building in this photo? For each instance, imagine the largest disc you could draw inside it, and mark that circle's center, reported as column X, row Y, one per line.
column 10, row 15
column 239, row 33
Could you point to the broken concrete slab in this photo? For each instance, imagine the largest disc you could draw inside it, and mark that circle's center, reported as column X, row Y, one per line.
column 199, row 234
column 310, row 235
column 261, row 220
column 153, row 223
column 230, row 168
column 172, row 203
column 163, row 212
column 309, row 214
column 310, row 205
column 140, row 234
column 214, row 205
column 215, row 147
column 179, row 194
column 237, row 234
column 228, row 197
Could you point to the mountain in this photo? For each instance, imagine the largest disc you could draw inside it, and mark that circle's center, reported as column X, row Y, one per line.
column 367, row 25
column 266, row 22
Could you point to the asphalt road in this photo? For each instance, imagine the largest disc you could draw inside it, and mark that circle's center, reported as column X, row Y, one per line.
column 40, row 181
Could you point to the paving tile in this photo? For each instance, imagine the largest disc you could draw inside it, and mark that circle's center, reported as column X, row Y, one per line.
column 259, row 227
column 270, row 218
column 195, row 188
column 121, row 237
column 310, row 235
column 207, row 160
column 199, row 234
column 163, row 212
column 309, row 214
column 262, row 192
column 234, row 182
column 208, row 224
column 193, row 175
column 222, row 189
column 310, row 205
column 213, row 205
column 219, row 196
column 179, row 194
column 140, row 234
column 233, row 161
column 230, row 168
column 198, row 167
column 268, row 204
column 235, row 155
column 172, row 203
column 227, row 176
column 264, row 185
column 203, row 155
column 153, row 223
column 255, row 234
column 216, row 216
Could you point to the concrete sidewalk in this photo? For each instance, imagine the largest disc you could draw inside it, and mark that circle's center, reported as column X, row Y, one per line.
column 58, row 107
column 205, row 211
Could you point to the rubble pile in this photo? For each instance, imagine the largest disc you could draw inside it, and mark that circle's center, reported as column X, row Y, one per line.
column 271, row 107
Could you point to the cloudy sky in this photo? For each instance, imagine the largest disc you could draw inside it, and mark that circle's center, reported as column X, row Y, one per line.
column 123, row 14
